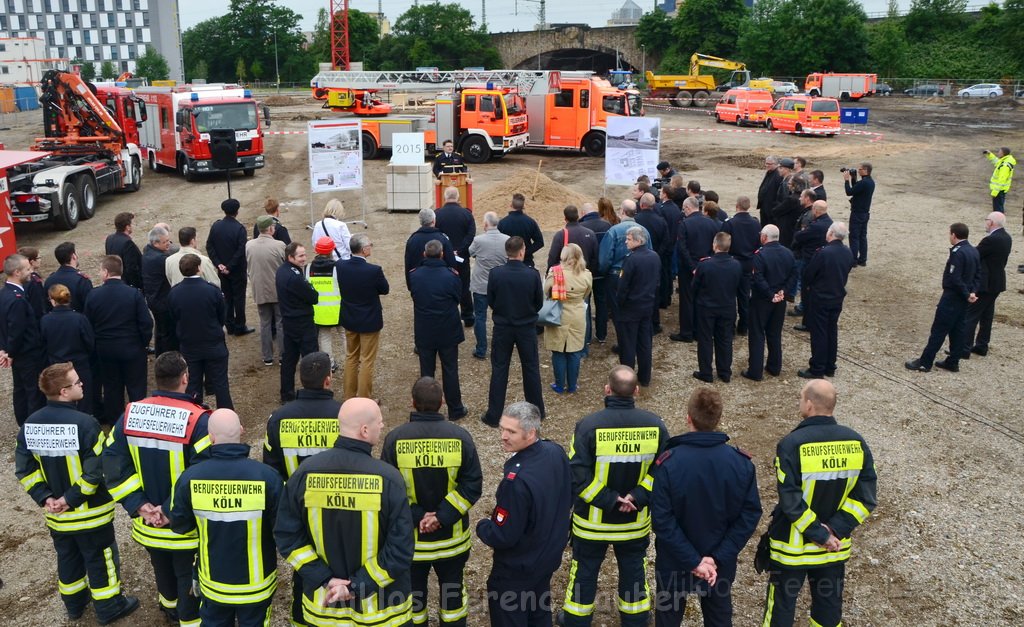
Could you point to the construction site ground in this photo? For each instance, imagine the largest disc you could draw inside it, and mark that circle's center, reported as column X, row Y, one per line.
column 944, row 546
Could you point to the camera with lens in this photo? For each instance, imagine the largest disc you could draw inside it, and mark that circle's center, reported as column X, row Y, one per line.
column 853, row 173
column 660, row 182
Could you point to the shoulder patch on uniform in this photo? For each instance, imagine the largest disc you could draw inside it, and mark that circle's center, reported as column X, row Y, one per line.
column 296, row 270
column 663, row 457
column 500, row 516
column 743, row 453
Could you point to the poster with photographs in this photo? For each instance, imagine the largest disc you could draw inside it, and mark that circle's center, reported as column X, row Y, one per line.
column 632, row 149
column 335, row 155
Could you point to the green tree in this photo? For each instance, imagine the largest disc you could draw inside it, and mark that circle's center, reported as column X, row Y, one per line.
column 206, row 44
column 708, row 26
column 257, row 70
column 199, row 70
column 655, row 31
column 436, row 35
column 887, row 43
column 88, row 71
column 107, row 70
column 152, row 65
column 929, row 19
column 240, row 70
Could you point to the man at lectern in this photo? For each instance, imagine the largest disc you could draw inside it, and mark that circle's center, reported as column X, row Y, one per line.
column 448, row 161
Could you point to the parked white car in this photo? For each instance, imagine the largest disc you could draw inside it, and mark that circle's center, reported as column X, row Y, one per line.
column 981, row 90
column 785, row 88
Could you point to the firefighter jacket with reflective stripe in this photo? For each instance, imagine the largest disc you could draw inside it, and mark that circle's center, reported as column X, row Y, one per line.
column 826, row 477
column 231, row 501
column 1001, row 175
column 300, row 429
column 153, row 442
column 322, row 275
column 612, row 455
column 439, row 463
column 58, row 455
column 346, row 515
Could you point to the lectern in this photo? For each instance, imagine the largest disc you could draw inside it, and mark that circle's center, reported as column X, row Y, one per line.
column 461, row 182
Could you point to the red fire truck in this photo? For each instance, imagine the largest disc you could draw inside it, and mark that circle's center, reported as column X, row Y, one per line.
column 176, row 134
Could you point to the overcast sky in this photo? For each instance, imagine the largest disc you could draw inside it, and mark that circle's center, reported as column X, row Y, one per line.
column 502, row 15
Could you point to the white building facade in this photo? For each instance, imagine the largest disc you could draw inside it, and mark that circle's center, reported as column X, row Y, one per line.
column 23, row 60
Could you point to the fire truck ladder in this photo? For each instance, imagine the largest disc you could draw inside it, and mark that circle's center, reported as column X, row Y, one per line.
column 429, row 80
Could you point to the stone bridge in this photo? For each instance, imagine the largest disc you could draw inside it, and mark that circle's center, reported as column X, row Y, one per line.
column 574, row 47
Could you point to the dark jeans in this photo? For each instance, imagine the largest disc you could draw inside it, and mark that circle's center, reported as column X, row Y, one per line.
column 581, row 590
column 300, row 339
column 480, row 324
column 674, row 588
column 950, row 318
column 89, row 554
column 826, row 587
column 999, row 202
column 214, row 374
column 636, row 339
column 859, row 237
column 524, row 339
column 120, row 375
column 215, row 614
column 173, row 570
column 27, row 397
column 233, row 286
column 766, row 320
column 823, row 323
column 979, row 318
column 567, row 369
column 715, row 328
column 454, row 605
column 600, row 310
column 449, row 356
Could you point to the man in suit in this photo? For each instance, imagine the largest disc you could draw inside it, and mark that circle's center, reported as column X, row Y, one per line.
column 156, row 288
column 457, row 223
column 825, row 279
column 198, row 310
column 187, row 240
column 693, row 243
column 21, row 344
column 805, row 244
column 637, row 298
column 263, row 256
column 515, row 295
column 123, row 328
column 818, row 184
column 716, row 285
column 295, row 298
column 518, row 223
column 768, row 191
column 69, row 275
column 120, row 243
column 746, row 238
column 418, row 240
column 361, row 285
column 436, row 291
column 662, row 240
column 226, row 247
column 773, row 267
column 994, row 250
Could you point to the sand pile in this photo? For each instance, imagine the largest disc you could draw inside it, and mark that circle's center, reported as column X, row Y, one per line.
column 281, row 101
column 545, row 206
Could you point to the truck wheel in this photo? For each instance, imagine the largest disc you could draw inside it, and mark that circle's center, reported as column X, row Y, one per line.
column 701, row 98
column 185, row 169
column 683, row 99
column 136, row 183
column 593, row 144
column 476, row 150
column 369, row 146
column 152, row 162
column 718, row 119
column 739, row 120
column 249, row 171
column 798, row 130
column 66, row 217
column 768, row 125
column 87, row 187
column 814, row 93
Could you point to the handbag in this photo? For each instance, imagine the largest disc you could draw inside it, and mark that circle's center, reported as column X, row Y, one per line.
column 550, row 314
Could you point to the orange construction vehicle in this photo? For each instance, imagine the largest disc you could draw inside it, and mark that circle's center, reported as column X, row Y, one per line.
column 841, row 86
column 91, row 146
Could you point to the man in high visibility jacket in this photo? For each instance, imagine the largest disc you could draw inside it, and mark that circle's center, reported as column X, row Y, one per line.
column 999, row 184
column 152, row 443
column 344, row 524
column 811, row 540
column 300, row 429
column 443, row 480
column 612, row 457
column 57, row 460
column 323, row 276
column 232, row 501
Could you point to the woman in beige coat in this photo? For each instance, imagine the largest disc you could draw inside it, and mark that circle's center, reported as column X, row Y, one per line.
column 566, row 342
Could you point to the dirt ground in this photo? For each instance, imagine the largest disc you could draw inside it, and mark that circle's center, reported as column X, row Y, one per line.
column 944, row 545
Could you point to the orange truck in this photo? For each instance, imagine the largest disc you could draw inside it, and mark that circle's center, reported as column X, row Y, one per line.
column 176, row 135
column 744, row 106
column 841, row 86
column 805, row 114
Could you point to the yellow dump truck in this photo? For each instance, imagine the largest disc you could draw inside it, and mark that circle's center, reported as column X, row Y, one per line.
column 696, row 89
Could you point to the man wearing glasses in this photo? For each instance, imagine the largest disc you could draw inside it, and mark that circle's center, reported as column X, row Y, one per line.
column 860, row 193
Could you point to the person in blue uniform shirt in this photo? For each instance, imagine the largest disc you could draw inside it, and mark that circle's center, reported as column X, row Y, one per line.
column 156, row 288
column 860, row 193
column 694, row 239
column 529, row 526
column 457, row 223
column 662, row 241
column 415, row 244
column 518, row 223
column 448, row 161
column 436, row 291
column 78, row 283
column 806, row 243
column 745, row 230
column 198, row 311
column 716, row 287
column 295, row 298
column 21, row 344
column 773, row 267
column 961, row 279
column 704, row 508
column 637, row 298
column 120, row 243
column 226, row 247
column 825, row 277
column 69, row 338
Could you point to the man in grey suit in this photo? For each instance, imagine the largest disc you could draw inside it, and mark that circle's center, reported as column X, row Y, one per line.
column 489, row 250
column 263, row 256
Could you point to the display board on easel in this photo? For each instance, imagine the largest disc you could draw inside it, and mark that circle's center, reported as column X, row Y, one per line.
column 336, row 160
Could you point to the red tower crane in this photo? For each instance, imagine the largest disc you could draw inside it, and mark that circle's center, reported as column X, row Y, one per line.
column 339, row 35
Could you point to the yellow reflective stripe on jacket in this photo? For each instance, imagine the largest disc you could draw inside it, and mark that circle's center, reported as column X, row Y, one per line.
column 238, row 594
column 30, row 480
column 604, row 532
column 163, row 537
column 1002, row 174
column 856, row 509
column 301, row 556
column 123, row 489
column 458, row 502
column 379, row 574
column 590, row 492
column 81, row 518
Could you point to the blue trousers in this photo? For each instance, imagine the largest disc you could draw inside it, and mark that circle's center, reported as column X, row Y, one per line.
column 859, row 237
column 999, row 202
column 480, row 324
column 950, row 319
column 567, row 369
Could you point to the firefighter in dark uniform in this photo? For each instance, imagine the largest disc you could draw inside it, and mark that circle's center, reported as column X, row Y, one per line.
column 773, row 266
column 78, row 283
column 704, row 507
column 232, row 501
column 21, row 344
column 825, row 278
column 811, row 540
column 746, row 238
column 68, row 337
column 443, row 481
column 529, row 526
column 637, row 299
column 457, row 223
column 344, row 524
column 226, row 247
column 694, row 241
column 300, row 429
column 448, row 161
column 57, row 460
column 716, row 287
column 612, row 454
column 143, row 459
column 295, row 298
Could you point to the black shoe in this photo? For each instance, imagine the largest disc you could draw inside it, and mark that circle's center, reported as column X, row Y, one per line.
column 978, row 350
column 807, row 374
column 774, row 373
column 457, row 415
column 130, row 605
column 245, row 331
column 725, row 378
column 679, row 337
column 706, row 378
column 945, row 365
column 746, row 375
column 170, row 614
column 966, row 355
column 741, row 331
column 76, row 614
column 800, row 327
column 656, row 331
column 615, row 349
column 915, row 364
column 468, row 323
column 830, row 373
column 493, row 425
column 480, row 355
column 862, row 264
column 560, row 618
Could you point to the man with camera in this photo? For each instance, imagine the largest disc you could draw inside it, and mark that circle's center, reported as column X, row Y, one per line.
column 860, row 193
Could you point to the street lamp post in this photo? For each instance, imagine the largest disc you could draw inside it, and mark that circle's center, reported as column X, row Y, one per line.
column 643, row 63
column 277, row 68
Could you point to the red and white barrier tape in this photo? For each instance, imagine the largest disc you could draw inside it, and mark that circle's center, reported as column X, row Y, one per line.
column 284, row 132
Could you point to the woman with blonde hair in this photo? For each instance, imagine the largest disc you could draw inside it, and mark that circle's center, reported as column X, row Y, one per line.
column 571, row 283
column 331, row 226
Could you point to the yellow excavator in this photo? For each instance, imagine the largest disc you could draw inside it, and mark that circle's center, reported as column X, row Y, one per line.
column 696, row 89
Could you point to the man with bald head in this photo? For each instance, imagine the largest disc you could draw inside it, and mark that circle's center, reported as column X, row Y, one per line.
column 771, row 274
column 237, row 567
column 994, row 250
column 811, row 539
column 345, row 525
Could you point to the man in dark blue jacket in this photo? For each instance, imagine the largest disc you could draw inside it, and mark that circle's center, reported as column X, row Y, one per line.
column 457, row 223
column 69, row 275
column 716, row 286
column 637, row 298
column 198, row 310
column 361, row 285
column 120, row 243
column 662, row 240
column 704, row 508
column 414, row 246
column 123, row 328
column 436, row 291
column 693, row 243
column 518, row 223
column 226, row 247
column 295, row 297
column 592, row 220
column 807, row 242
column 825, row 276
column 515, row 295
column 156, row 288
column 746, row 238
column 860, row 194
column 21, row 345
column 773, row 266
